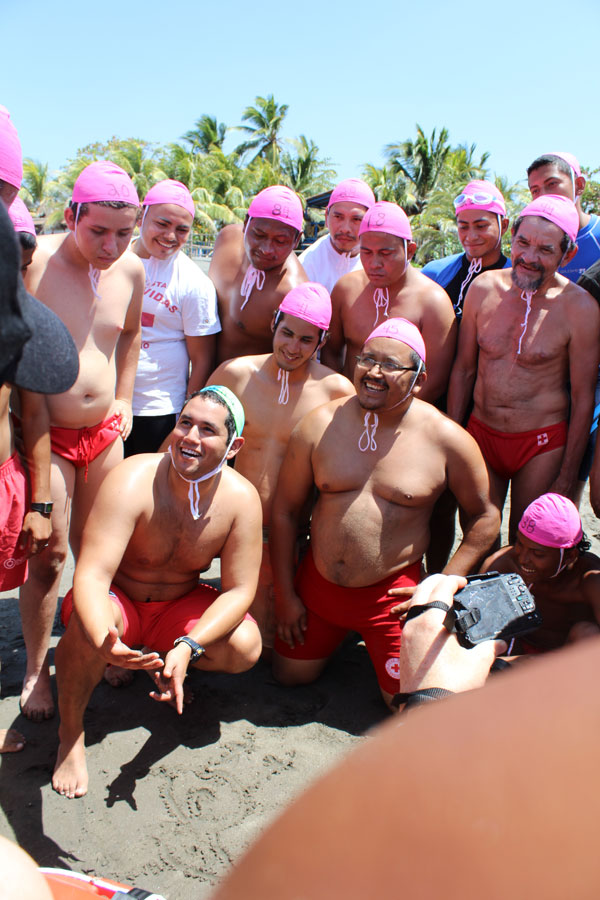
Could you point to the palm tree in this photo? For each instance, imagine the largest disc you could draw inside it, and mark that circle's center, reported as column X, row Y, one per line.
column 266, row 118
column 421, row 163
column 385, row 184
column 206, row 134
column 304, row 172
column 35, row 182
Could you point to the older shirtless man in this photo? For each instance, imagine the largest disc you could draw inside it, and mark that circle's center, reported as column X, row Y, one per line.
column 277, row 389
column 89, row 280
column 380, row 460
column 526, row 333
column 389, row 287
column 337, row 253
column 158, row 521
column 253, row 267
column 551, row 554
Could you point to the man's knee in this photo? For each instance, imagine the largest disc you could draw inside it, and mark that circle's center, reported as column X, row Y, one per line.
column 48, row 565
column 244, row 648
column 582, row 630
column 290, row 672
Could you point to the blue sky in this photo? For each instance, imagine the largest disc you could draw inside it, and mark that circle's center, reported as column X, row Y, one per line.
column 516, row 78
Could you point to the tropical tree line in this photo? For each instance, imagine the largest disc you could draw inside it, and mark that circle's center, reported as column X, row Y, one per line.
column 422, row 174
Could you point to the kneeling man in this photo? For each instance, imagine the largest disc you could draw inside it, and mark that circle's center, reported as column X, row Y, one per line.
column 158, row 521
column 380, row 460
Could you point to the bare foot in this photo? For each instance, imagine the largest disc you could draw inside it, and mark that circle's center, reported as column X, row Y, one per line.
column 70, row 777
column 36, row 701
column 10, row 740
column 116, row 676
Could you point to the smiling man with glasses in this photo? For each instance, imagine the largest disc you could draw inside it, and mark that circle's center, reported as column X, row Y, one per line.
column 380, row 460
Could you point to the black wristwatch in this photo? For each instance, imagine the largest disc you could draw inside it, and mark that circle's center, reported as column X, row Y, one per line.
column 197, row 649
column 44, row 509
column 416, row 698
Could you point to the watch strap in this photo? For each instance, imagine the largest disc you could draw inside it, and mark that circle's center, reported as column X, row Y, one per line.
column 416, row 698
column 45, row 509
column 197, row 649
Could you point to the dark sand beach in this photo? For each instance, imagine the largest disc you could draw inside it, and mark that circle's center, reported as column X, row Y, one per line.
column 174, row 801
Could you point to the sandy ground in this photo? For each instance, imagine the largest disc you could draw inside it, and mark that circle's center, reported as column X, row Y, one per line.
column 173, row 801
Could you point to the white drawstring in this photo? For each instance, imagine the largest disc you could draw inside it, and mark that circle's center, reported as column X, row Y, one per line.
column 369, row 433
column 526, row 296
column 284, row 392
column 253, row 278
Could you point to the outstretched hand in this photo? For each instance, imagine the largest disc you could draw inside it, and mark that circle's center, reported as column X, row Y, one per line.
column 115, row 652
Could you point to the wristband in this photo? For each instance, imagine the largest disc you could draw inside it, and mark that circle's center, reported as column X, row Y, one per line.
column 416, row 698
column 44, row 509
column 197, row 649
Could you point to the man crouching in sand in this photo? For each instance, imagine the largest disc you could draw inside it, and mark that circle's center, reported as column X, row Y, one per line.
column 158, row 521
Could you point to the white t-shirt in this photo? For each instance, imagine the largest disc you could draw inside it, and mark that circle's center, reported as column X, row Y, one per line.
column 179, row 300
column 324, row 264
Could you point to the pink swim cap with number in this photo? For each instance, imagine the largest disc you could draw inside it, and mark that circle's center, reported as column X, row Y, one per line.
column 352, row 190
column 569, row 159
column 400, row 330
column 169, row 191
column 278, row 203
column 11, row 158
column 481, row 195
column 104, row 180
column 387, row 217
column 21, row 217
column 558, row 210
column 552, row 521
column 309, row 301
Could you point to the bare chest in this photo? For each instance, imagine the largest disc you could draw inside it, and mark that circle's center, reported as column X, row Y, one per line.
column 511, row 328
column 371, row 307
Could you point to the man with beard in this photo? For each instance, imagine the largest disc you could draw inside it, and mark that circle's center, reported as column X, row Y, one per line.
column 379, row 460
column 526, row 333
column 253, row 267
column 337, row 253
column 276, row 390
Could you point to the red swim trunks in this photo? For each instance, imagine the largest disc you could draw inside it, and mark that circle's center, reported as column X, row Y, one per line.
column 82, row 445
column 344, row 609
column 156, row 624
column 508, row 451
column 13, row 499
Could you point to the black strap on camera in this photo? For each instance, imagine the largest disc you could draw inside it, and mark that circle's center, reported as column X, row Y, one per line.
column 417, row 610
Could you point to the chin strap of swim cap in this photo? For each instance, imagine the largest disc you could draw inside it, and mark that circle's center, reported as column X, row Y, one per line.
column 367, row 439
column 194, row 490
column 284, row 392
column 474, row 269
column 526, row 296
column 254, row 278
column 412, row 384
column 93, row 274
column 382, row 301
column 561, row 565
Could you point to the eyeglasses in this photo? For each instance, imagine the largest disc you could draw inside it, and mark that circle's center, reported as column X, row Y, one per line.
column 478, row 199
column 388, row 366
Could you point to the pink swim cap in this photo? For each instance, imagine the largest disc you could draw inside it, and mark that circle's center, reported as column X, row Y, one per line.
column 279, row 203
column 558, row 210
column 170, row 191
column 352, row 190
column 309, row 301
column 387, row 217
column 569, row 159
column 104, row 180
column 401, row 330
column 21, row 217
column 552, row 521
column 11, row 158
column 480, row 195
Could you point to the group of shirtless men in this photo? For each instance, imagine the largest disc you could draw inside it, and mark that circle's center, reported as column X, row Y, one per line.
column 346, row 466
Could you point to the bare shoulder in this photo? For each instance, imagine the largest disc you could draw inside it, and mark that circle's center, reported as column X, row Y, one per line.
column 238, row 495
column 229, row 236
column 128, row 487
column 314, row 423
column 433, row 293
column 579, row 304
column 235, row 373
column 293, row 273
column 494, row 280
column 448, row 434
column 500, row 561
column 335, row 384
column 131, row 265
column 349, row 286
column 47, row 245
